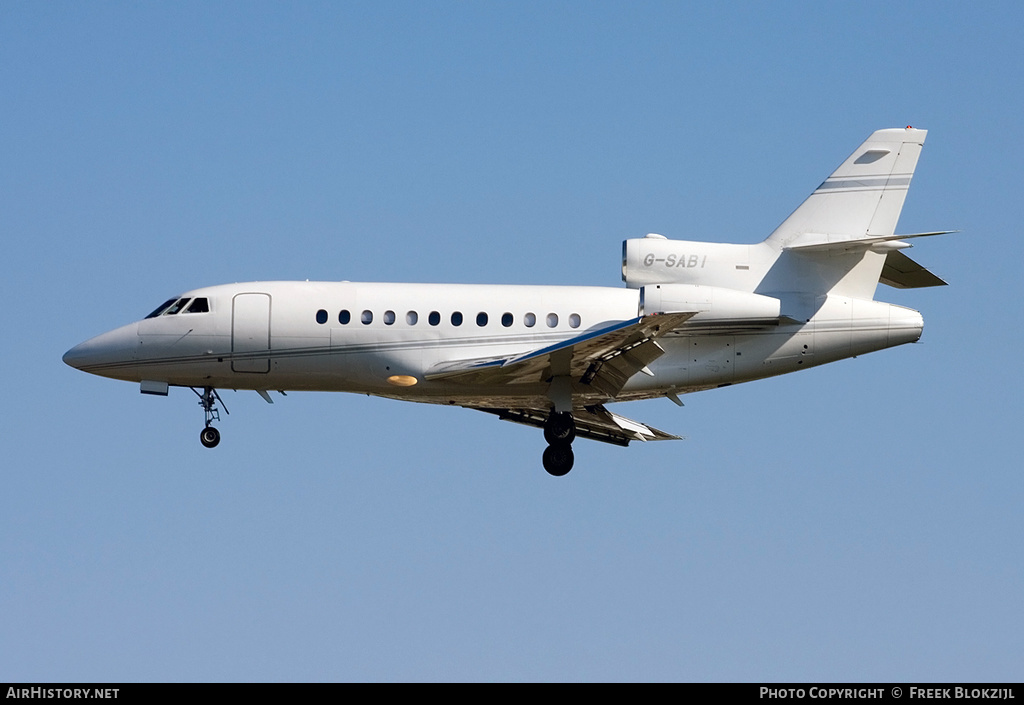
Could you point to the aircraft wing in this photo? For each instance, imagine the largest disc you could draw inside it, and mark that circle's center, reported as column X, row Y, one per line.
column 604, row 358
column 593, row 422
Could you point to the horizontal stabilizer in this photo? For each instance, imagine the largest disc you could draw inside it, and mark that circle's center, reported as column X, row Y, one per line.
column 847, row 243
column 902, row 272
column 593, row 422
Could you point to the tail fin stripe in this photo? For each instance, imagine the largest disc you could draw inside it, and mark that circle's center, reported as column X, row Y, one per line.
column 872, row 183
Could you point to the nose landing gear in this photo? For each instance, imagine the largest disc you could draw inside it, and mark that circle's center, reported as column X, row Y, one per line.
column 559, row 432
column 210, row 436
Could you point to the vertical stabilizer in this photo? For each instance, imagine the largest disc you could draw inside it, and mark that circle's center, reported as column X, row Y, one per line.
column 863, row 197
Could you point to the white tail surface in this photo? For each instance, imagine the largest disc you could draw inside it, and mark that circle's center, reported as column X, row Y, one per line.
column 863, row 197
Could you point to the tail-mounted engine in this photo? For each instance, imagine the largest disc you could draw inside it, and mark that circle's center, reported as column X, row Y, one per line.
column 712, row 303
column 657, row 260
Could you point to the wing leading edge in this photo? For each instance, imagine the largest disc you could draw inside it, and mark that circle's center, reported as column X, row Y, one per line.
column 604, row 358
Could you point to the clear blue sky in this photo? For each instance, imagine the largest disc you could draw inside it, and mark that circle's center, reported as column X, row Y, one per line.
column 859, row 521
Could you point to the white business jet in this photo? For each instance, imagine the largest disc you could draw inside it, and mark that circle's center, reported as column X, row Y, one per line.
column 693, row 316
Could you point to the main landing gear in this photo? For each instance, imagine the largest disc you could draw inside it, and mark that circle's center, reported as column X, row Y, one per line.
column 559, row 432
column 210, row 436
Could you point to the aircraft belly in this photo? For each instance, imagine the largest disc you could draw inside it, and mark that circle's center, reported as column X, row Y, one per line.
column 696, row 362
column 690, row 362
column 770, row 354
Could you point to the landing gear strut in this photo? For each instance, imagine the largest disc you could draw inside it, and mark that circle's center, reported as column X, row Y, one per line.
column 559, row 432
column 210, row 436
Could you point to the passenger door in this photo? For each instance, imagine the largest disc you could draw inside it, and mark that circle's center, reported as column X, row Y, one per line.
column 250, row 333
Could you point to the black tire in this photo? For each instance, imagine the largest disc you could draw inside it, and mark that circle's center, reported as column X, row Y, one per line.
column 558, row 459
column 209, row 437
column 560, row 428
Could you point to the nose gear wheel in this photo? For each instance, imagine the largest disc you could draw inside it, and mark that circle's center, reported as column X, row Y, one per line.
column 208, row 399
column 209, row 437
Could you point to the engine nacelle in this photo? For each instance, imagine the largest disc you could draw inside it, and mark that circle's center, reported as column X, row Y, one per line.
column 711, row 302
column 657, row 260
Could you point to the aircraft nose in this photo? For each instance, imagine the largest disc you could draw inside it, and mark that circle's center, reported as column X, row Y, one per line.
column 106, row 353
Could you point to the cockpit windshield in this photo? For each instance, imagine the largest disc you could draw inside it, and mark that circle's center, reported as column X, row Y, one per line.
column 175, row 307
column 198, row 305
column 163, row 307
column 181, row 305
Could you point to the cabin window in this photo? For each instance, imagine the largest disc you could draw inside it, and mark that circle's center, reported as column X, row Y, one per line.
column 366, row 317
column 530, row 320
column 574, row 320
column 412, row 317
column 389, row 318
column 434, row 318
column 457, row 318
column 344, row 317
column 507, row 319
column 552, row 320
column 481, row 319
column 321, row 316
column 199, row 305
